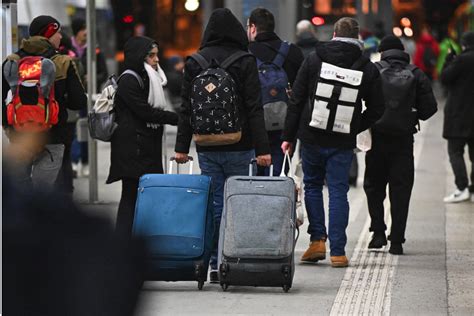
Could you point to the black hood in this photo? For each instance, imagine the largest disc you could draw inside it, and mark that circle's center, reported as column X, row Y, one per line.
column 338, row 53
column 223, row 29
column 396, row 56
column 136, row 49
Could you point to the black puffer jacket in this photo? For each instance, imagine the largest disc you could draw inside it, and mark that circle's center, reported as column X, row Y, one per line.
column 68, row 88
column 135, row 145
column 223, row 36
column 293, row 60
column 458, row 76
column 341, row 54
column 425, row 103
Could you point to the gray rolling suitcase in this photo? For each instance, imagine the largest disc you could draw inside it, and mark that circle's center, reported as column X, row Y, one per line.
column 257, row 234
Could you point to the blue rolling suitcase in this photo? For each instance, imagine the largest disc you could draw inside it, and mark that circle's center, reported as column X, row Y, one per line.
column 175, row 218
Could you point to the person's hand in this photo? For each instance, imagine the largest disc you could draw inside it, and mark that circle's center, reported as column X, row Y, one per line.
column 181, row 157
column 264, row 160
column 287, row 147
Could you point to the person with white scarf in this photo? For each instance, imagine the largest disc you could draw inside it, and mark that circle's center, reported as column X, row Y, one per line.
column 140, row 115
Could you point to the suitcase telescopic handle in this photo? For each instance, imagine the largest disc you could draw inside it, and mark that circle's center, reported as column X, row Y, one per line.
column 254, row 161
column 191, row 163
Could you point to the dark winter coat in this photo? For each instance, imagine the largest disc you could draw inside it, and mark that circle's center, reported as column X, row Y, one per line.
column 458, row 76
column 223, row 36
column 425, row 103
column 307, row 43
column 68, row 88
column 293, row 60
column 135, row 145
column 298, row 117
column 101, row 65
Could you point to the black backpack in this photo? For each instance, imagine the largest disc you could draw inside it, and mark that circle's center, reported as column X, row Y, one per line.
column 215, row 103
column 336, row 97
column 399, row 90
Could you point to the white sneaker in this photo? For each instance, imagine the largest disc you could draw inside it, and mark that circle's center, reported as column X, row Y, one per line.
column 458, row 196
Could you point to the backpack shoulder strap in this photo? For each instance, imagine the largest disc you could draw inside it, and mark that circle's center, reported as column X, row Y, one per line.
column 233, row 58
column 133, row 73
column 280, row 57
column 382, row 64
column 203, row 63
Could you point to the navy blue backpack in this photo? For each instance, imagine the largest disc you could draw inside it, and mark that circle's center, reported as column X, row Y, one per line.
column 274, row 83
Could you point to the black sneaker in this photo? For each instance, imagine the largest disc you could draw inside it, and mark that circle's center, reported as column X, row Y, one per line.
column 396, row 248
column 378, row 241
column 213, row 277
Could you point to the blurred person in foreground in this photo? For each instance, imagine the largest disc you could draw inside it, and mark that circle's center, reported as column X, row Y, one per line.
column 458, row 128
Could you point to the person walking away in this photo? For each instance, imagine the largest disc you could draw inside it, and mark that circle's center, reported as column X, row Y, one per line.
column 136, row 143
column 408, row 98
column 335, row 79
column 44, row 41
column 447, row 45
column 306, row 37
column 458, row 127
column 278, row 63
column 426, row 54
column 239, row 97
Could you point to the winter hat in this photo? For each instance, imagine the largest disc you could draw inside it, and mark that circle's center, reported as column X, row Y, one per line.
column 467, row 39
column 390, row 42
column 78, row 25
column 44, row 25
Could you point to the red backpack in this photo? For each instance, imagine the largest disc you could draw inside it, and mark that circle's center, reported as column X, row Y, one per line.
column 33, row 107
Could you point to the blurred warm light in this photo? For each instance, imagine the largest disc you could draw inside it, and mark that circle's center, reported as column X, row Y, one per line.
column 408, row 32
column 191, row 5
column 405, row 22
column 397, row 31
column 317, row 20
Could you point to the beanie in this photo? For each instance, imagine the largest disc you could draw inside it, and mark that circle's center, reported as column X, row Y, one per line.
column 467, row 39
column 78, row 25
column 44, row 25
column 390, row 42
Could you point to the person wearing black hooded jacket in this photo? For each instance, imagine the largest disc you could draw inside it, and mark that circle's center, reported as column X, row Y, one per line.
column 137, row 141
column 224, row 35
column 265, row 45
column 327, row 154
column 458, row 127
column 390, row 160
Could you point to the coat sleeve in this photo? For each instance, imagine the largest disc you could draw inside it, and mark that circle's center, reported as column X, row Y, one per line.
column 252, row 103
column 76, row 97
column 298, row 101
column 374, row 100
column 426, row 104
column 452, row 70
column 185, row 132
column 132, row 94
column 295, row 59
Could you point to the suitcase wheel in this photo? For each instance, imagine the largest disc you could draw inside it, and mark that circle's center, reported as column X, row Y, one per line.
column 200, row 285
column 224, row 286
column 286, row 288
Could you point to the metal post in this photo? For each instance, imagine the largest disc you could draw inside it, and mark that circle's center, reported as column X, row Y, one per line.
column 9, row 28
column 91, row 89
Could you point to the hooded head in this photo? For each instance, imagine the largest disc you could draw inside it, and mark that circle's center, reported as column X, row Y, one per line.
column 467, row 39
column 136, row 49
column 223, row 29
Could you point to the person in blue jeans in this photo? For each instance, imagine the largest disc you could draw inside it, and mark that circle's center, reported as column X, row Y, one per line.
column 332, row 81
column 224, row 37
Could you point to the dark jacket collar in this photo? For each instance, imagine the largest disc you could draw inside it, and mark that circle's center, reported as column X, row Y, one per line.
column 37, row 45
column 395, row 55
column 223, row 29
column 338, row 53
column 266, row 36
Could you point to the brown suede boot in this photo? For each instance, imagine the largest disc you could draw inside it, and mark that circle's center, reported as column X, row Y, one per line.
column 339, row 261
column 315, row 252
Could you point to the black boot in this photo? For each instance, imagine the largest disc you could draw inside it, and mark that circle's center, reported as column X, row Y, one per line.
column 396, row 248
column 378, row 240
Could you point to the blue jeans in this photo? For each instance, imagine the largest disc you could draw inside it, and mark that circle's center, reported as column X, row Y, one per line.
column 332, row 164
column 219, row 166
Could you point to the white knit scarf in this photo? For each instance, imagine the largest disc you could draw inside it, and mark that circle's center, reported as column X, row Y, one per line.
column 156, row 96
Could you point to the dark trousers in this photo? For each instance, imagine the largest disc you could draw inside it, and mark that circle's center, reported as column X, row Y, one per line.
column 456, row 158
column 390, row 161
column 126, row 210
